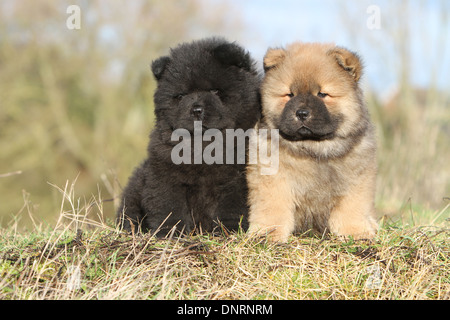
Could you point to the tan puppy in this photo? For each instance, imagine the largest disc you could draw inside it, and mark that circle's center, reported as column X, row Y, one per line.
column 327, row 148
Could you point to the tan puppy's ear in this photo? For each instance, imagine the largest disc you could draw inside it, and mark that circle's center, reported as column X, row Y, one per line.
column 349, row 61
column 273, row 57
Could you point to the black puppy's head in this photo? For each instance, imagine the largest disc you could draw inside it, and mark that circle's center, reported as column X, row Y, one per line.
column 210, row 80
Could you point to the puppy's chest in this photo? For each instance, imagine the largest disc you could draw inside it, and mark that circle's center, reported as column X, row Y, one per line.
column 209, row 189
column 201, row 195
column 317, row 184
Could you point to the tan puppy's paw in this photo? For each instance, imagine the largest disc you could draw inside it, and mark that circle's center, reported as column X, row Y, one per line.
column 365, row 229
column 272, row 233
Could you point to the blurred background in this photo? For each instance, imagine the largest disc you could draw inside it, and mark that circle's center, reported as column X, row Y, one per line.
column 76, row 104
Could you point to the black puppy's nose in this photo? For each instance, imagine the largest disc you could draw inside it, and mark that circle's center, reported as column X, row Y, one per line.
column 198, row 112
column 302, row 114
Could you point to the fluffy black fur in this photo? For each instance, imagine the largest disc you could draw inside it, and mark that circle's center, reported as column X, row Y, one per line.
column 213, row 81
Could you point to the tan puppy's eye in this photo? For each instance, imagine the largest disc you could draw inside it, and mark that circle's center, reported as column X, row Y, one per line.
column 322, row 95
column 290, row 95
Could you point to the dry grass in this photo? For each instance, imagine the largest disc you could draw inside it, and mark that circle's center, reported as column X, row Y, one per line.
column 84, row 259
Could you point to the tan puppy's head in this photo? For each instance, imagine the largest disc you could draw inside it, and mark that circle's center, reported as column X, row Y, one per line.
column 310, row 93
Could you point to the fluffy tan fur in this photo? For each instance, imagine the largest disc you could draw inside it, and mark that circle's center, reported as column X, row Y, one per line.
column 325, row 185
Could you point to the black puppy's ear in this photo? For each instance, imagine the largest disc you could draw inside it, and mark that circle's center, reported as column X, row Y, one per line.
column 233, row 55
column 159, row 65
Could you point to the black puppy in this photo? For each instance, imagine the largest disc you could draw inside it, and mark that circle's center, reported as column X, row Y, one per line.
column 205, row 86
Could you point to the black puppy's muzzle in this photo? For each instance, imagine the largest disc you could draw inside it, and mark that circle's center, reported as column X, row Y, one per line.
column 198, row 112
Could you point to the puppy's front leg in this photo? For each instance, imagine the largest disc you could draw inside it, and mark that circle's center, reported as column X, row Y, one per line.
column 355, row 213
column 271, row 205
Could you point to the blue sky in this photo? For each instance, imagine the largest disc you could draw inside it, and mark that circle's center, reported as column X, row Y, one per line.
column 278, row 22
column 272, row 23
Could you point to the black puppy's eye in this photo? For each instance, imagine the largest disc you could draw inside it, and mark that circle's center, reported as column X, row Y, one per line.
column 322, row 95
column 179, row 96
column 214, row 91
